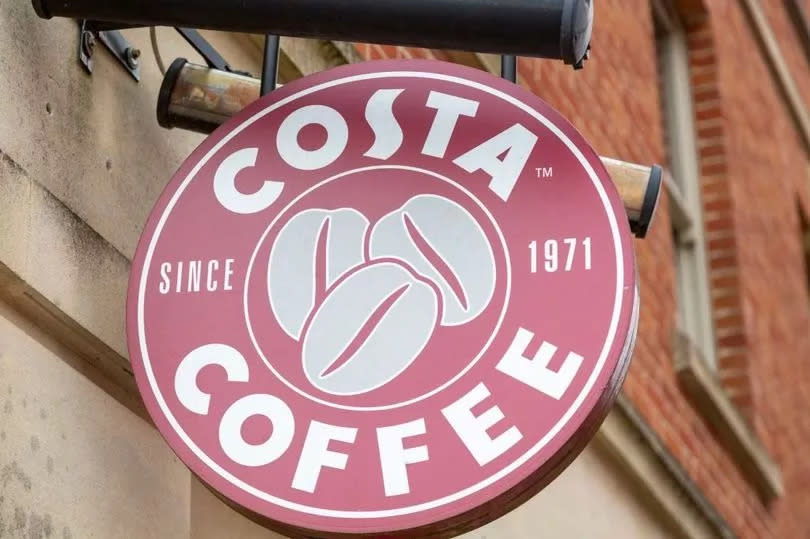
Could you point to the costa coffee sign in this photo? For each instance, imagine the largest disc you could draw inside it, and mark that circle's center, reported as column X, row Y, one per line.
column 394, row 297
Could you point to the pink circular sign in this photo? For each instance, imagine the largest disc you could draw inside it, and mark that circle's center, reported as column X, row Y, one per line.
column 394, row 297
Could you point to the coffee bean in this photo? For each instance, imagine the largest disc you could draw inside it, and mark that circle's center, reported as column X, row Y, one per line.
column 312, row 251
column 441, row 241
column 369, row 329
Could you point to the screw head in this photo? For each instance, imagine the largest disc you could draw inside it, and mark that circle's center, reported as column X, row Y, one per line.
column 88, row 42
column 132, row 55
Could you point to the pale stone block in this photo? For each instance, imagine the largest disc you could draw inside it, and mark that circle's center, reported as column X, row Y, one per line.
column 93, row 141
column 74, row 463
column 15, row 219
column 213, row 519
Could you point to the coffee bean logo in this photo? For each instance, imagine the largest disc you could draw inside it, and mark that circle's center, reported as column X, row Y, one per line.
column 311, row 252
column 443, row 242
column 364, row 305
column 369, row 329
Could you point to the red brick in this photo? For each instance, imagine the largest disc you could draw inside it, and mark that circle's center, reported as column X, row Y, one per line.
column 701, row 60
column 703, row 76
column 714, row 185
column 706, row 94
column 712, row 151
column 732, row 340
column 709, row 113
column 388, row 51
column 717, row 168
column 734, row 362
column 729, row 242
column 723, row 260
column 723, row 223
column 730, row 281
column 729, row 322
column 710, row 131
column 727, row 301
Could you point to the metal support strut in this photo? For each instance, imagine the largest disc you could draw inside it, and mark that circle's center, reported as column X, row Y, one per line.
column 91, row 32
column 204, row 48
column 270, row 64
column 509, row 67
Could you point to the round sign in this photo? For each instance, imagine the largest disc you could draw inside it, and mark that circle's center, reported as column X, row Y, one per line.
column 394, row 297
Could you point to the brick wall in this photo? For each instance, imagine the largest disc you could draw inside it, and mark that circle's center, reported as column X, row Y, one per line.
column 721, row 236
column 767, row 168
column 754, row 176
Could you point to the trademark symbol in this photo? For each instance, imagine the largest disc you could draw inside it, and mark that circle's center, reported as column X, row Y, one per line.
column 545, row 172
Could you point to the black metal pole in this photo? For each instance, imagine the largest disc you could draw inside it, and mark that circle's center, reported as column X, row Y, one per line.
column 204, row 48
column 270, row 64
column 540, row 28
column 509, row 67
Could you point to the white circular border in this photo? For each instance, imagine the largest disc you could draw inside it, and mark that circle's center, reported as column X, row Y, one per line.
column 470, row 365
column 517, row 463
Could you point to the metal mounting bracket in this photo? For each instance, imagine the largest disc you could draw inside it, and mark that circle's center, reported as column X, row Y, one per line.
column 209, row 53
column 204, row 48
column 90, row 34
column 509, row 67
column 270, row 64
